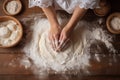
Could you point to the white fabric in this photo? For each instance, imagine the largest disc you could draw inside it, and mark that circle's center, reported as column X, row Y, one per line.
column 67, row 5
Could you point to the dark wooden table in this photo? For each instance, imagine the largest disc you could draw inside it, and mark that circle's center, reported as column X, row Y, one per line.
column 99, row 70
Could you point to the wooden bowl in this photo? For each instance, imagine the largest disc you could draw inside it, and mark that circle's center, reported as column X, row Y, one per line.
column 17, row 12
column 104, row 9
column 6, row 18
column 108, row 23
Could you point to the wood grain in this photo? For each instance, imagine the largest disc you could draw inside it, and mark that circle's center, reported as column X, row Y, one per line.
column 106, row 69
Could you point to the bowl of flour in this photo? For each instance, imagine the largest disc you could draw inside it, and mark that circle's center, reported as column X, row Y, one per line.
column 10, row 31
column 12, row 7
column 113, row 23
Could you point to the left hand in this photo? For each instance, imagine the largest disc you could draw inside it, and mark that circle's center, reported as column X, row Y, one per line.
column 64, row 38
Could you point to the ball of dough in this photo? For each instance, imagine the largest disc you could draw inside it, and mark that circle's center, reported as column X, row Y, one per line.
column 4, row 32
column 12, row 26
column 14, row 35
column 6, row 42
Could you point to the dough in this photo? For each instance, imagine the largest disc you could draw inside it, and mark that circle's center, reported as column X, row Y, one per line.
column 12, row 7
column 12, row 26
column 9, row 32
column 4, row 32
column 50, row 56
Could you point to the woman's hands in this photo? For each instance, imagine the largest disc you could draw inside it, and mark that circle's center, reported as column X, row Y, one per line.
column 67, row 30
column 59, row 37
column 64, row 38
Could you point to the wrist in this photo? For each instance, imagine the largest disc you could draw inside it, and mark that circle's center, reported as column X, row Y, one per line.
column 54, row 25
column 69, row 27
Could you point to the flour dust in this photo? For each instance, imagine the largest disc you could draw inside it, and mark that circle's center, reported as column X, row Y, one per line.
column 95, row 34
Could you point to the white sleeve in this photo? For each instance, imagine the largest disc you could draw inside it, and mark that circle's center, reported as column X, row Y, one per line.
column 89, row 4
column 40, row 3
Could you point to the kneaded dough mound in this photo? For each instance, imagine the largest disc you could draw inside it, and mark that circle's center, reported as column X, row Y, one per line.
column 74, row 49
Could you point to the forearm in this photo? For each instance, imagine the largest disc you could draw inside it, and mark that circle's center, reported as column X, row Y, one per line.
column 76, row 16
column 51, row 15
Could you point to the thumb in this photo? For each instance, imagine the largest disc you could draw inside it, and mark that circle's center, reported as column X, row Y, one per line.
column 60, row 38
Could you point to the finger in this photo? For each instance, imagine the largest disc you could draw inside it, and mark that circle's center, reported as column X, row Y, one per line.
column 60, row 39
column 61, row 43
column 53, row 43
column 64, row 44
column 50, row 38
column 58, row 48
column 56, row 41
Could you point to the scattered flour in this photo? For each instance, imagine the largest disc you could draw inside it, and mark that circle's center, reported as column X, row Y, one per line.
column 25, row 61
column 9, row 32
column 101, row 35
column 36, row 39
column 115, row 23
column 12, row 7
column 97, row 57
column 75, row 61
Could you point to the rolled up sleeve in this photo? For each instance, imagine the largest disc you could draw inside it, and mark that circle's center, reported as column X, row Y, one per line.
column 40, row 3
column 89, row 4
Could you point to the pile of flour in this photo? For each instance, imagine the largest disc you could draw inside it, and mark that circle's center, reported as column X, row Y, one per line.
column 12, row 7
column 36, row 42
column 9, row 32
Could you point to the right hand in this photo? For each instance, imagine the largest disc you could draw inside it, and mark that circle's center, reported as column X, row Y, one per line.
column 54, row 34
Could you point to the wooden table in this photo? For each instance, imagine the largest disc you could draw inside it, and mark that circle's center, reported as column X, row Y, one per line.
column 99, row 70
